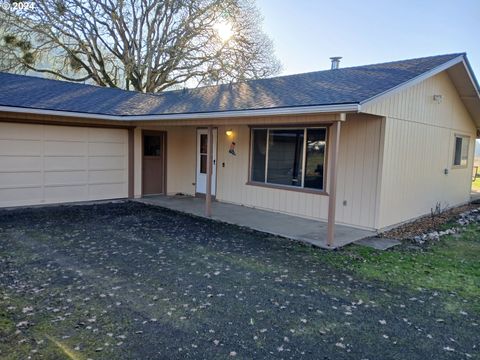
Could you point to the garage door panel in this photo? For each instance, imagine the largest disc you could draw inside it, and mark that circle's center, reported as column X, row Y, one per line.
column 66, row 193
column 66, row 177
column 17, row 179
column 20, row 147
column 106, row 162
column 65, row 148
column 20, row 196
column 107, row 191
column 65, row 163
column 105, row 176
column 19, row 132
column 107, row 135
column 62, row 133
column 18, row 163
column 106, row 149
column 42, row 164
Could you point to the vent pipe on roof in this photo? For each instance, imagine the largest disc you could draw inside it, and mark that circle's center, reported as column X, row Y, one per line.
column 335, row 62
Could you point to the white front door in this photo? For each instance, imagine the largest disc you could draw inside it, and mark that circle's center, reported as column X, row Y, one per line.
column 202, row 142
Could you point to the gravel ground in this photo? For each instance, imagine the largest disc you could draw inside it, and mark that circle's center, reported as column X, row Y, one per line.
column 428, row 223
column 130, row 281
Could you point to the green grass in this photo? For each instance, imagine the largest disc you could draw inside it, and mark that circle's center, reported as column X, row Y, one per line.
column 451, row 265
column 476, row 184
column 7, row 326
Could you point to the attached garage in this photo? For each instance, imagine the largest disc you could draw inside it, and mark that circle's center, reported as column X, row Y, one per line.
column 42, row 164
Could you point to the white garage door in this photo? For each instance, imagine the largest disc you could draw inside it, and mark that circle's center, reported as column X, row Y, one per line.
column 41, row 164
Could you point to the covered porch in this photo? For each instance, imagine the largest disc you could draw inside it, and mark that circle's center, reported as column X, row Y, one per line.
column 313, row 232
column 318, row 186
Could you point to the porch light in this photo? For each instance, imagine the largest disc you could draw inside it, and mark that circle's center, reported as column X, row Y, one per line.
column 437, row 98
column 229, row 132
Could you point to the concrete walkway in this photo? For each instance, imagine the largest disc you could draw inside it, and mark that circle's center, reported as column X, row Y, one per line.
column 313, row 232
column 475, row 197
column 378, row 243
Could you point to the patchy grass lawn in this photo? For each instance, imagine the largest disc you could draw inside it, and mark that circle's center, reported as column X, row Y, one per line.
column 124, row 281
column 452, row 265
column 476, row 185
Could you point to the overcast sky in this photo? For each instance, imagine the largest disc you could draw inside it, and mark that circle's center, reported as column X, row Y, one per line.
column 307, row 32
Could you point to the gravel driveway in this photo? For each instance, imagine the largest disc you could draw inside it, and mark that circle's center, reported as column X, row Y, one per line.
column 130, row 281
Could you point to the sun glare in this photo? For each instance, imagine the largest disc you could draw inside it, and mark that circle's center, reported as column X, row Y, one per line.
column 224, row 30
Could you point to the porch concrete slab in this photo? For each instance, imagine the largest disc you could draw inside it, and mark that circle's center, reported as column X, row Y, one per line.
column 378, row 243
column 309, row 231
column 475, row 197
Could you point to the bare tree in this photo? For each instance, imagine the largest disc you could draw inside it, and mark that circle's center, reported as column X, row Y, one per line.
column 145, row 45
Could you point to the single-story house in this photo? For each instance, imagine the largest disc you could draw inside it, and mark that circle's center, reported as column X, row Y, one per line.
column 369, row 146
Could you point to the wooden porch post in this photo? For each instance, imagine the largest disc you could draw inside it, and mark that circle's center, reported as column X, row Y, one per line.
column 334, row 139
column 208, row 192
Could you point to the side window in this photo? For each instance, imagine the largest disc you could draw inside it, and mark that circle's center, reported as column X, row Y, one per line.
column 460, row 156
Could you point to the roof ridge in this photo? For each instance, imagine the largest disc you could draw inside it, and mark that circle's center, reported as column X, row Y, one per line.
column 307, row 73
column 227, row 84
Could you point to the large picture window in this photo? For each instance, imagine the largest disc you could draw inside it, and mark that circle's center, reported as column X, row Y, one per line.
column 289, row 157
column 460, row 156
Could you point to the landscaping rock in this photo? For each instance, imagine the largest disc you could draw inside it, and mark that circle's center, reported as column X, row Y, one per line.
column 429, row 224
column 415, row 231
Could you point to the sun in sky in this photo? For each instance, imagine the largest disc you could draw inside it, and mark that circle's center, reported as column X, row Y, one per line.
column 224, row 30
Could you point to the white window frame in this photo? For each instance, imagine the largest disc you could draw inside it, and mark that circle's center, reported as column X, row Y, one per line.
column 304, row 158
column 464, row 138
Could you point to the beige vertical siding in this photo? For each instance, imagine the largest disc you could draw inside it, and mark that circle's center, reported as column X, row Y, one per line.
column 419, row 140
column 181, row 162
column 357, row 179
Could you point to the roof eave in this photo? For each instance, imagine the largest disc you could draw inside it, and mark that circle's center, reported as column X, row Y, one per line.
column 472, row 103
column 297, row 110
column 471, row 74
column 413, row 81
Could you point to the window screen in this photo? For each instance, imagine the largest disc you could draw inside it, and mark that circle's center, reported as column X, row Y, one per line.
column 285, row 161
column 259, row 154
column 315, row 158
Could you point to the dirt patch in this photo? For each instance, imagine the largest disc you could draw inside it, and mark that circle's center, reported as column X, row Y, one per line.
column 427, row 223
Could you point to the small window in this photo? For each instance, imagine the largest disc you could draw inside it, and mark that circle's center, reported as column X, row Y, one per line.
column 203, row 153
column 460, row 157
column 152, row 145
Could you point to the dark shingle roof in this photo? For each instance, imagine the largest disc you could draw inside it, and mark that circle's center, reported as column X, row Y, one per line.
column 343, row 86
